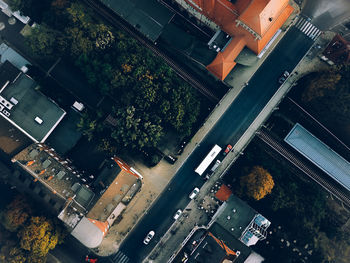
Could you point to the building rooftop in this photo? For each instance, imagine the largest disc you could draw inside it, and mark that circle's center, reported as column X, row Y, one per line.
column 235, row 216
column 88, row 214
column 224, row 193
column 66, row 134
column 149, row 17
column 250, row 23
column 89, row 232
column 28, row 109
column 320, row 154
column 8, row 72
column 55, row 173
column 338, row 50
column 118, row 189
column 8, row 54
column 215, row 246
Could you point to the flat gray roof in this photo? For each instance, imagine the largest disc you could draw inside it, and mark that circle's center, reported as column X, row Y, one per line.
column 31, row 104
column 7, row 53
column 149, row 17
column 320, row 154
column 236, row 216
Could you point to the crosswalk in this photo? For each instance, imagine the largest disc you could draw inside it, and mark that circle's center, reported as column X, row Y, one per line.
column 307, row 28
column 120, row 257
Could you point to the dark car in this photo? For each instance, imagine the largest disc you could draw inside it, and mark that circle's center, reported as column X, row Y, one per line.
column 170, row 159
column 284, row 77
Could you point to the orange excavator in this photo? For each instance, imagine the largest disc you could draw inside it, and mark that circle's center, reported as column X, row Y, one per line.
column 229, row 252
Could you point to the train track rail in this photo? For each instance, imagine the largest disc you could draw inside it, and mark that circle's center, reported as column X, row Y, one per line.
column 113, row 18
column 303, row 166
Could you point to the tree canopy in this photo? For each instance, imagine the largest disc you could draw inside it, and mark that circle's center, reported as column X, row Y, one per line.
column 35, row 235
column 39, row 236
column 327, row 95
column 148, row 96
column 16, row 214
column 258, row 183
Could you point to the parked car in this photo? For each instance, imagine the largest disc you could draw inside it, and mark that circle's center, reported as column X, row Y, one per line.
column 283, row 78
column 215, row 166
column 227, row 150
column 170, row 159
column 177, row 214
column 212, row 170
column 149, row 236
column 194, row 193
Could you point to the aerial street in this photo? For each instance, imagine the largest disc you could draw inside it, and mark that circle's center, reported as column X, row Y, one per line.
column 145, row 131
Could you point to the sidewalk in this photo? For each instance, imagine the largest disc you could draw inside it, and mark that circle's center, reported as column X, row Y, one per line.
column 180, row 229
column 157, row 178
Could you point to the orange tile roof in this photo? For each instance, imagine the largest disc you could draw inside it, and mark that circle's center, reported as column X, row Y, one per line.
column 103, row 226
column 265, row 17
column 224, row 193
column 274, row 27
column 220, row 67
column 260, row 14
column 224, row 61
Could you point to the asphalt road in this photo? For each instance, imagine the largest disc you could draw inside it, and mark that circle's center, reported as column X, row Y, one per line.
column 228, row 129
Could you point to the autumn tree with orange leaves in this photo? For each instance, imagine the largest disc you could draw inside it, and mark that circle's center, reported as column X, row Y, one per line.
column 258, row 183
column 16, row 214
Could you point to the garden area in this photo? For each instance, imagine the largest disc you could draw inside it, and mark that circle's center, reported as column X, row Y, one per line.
column 307, row 224
column 146, row 98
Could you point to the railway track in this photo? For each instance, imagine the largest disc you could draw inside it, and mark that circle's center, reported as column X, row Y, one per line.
column 301, row 165
column 112, row 18
column 305, row 112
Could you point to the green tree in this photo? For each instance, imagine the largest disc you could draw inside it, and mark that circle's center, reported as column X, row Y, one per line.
column 321, row 84
column 45, row 41
column 88, row 126
column 328, row 94
column 16, row 4
column 258, row 183
column 135, row 132
column 84, row 33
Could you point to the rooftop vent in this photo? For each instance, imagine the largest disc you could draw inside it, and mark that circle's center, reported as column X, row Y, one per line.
column 38, row 120
column 78, row 106
column 14, row 101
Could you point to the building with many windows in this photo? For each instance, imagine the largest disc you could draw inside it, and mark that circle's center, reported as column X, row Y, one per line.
column 87, row 206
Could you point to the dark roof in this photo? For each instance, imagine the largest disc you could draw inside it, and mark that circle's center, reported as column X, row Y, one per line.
column 31, row 104
column 66, row 135
column 236, row 216
column 149, row 17
column 209, row 251
column 338, row 50
column 107, row 174
column 8, row 72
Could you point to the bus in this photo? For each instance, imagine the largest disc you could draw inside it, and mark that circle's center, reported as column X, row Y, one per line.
column 208, row 159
